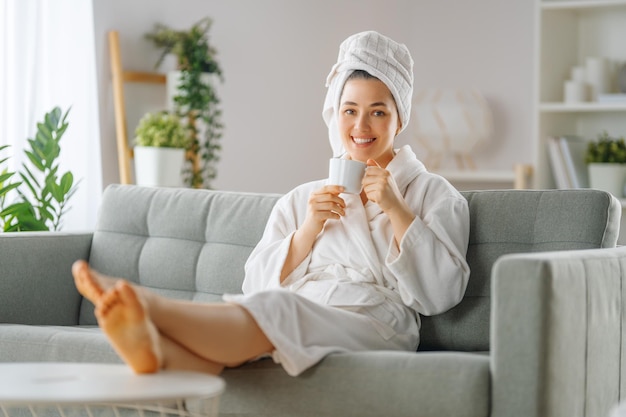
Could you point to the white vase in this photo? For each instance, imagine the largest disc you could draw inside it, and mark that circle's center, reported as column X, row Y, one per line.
column 159, row 167
column 608, row 177
column 597, row 70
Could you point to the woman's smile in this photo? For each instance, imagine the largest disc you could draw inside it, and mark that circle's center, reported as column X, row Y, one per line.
column 363, row 141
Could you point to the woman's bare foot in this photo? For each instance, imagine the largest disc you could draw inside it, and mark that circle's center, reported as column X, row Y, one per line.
column 123, row 318
column 89, row 282
column 86, row 282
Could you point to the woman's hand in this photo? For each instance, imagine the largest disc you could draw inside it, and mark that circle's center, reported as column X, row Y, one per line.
column 380, row 187
column 323, row 204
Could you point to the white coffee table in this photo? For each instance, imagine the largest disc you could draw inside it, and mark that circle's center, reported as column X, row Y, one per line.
column 38, row 386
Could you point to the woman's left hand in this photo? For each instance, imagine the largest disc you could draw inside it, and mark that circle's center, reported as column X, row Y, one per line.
column 380, row 187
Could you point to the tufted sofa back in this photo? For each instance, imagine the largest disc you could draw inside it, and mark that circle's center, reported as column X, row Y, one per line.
column 517, row 221
column 192, row 244
column 182, row 243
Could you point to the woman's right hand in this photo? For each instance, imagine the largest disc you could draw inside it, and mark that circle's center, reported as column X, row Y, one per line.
column 323, row 204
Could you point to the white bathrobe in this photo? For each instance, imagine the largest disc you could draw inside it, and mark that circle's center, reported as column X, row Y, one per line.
column 357, row 290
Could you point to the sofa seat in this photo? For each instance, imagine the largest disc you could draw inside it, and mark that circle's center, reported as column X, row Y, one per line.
column 350, row 379
column 25, row 343
column 348, row 384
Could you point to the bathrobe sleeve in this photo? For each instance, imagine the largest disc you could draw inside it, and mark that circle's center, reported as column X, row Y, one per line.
column 429, row 266
column 264, row 266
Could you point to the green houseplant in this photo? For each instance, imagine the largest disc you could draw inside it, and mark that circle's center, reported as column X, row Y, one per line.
column 161, row 141
column 606, row 161
column 195, row 100
column 42, row 192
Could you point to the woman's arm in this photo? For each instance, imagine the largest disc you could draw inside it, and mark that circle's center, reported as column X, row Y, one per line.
column 429, row 266
column 323, row 204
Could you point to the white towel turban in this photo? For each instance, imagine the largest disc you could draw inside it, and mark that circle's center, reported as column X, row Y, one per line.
column 381, row 57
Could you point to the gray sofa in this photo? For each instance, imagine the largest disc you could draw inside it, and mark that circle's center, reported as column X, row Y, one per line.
column 539, row 332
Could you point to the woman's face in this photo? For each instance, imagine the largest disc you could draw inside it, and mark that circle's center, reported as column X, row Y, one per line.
column 368, row 120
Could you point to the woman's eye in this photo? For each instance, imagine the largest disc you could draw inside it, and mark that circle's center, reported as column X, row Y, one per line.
column 379, row 113
column 349, row 111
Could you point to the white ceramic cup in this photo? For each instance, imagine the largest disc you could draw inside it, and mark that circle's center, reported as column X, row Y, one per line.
column 347, row 173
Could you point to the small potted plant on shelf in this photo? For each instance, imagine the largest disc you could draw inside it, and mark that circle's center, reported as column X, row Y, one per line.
column 161, row 140
column 606, row 160
column 192, row 94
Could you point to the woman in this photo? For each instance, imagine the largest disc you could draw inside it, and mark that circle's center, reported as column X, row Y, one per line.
column 333, row 272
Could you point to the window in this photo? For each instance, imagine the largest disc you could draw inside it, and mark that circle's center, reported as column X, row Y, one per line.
column 47, row 59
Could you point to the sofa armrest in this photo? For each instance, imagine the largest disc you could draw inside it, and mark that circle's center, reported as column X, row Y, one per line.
column 556, row 333
column 36, row 285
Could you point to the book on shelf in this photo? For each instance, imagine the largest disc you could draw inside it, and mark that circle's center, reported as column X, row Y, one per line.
column 611, row 98
column 567, row 158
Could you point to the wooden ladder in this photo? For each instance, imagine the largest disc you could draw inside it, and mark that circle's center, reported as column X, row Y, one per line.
column 119, row 77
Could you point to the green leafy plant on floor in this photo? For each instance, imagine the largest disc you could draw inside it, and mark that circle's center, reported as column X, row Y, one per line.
column 606, row 149
column 42, row 193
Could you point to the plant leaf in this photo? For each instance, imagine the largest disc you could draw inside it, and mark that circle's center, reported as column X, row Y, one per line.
column 66, row 182
column 44, row 131
column 5, row 190
column 45, row 214
column 55, row 190
column 15, row 208
column 6, row 176
column 35, row 160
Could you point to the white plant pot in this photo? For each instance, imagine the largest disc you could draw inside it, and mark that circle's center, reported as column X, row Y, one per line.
column 159, row 167
column 608, row 177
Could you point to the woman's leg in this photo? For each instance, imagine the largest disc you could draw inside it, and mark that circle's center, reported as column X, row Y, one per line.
column 221, row 332
column 180, row 335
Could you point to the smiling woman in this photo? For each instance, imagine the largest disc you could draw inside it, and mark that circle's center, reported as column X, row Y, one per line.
column 47, row 59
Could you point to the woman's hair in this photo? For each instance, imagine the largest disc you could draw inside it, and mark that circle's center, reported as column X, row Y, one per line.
column 360, row 75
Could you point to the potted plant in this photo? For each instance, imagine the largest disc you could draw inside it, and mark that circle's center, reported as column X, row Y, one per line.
column 161, row 140
column 42, row 193
column 194, row 97
column 606, row 160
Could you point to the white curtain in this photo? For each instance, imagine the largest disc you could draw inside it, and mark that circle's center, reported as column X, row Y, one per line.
column 47, row 59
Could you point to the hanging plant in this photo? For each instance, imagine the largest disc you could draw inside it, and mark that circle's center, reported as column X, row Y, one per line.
column 196, row 100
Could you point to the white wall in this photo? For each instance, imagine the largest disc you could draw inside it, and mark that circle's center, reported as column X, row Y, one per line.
column 276, row 54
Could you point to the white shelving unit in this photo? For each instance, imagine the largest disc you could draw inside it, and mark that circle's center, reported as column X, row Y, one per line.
column 567, row 32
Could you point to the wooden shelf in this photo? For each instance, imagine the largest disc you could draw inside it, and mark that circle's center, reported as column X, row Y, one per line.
column 560, row 107
column 581, row 4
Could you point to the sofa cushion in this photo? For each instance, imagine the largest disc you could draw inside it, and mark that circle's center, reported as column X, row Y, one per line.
column 36, row 284
column 504, row 222
column 24, row 343
column 181, row 243
column 425, row 384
